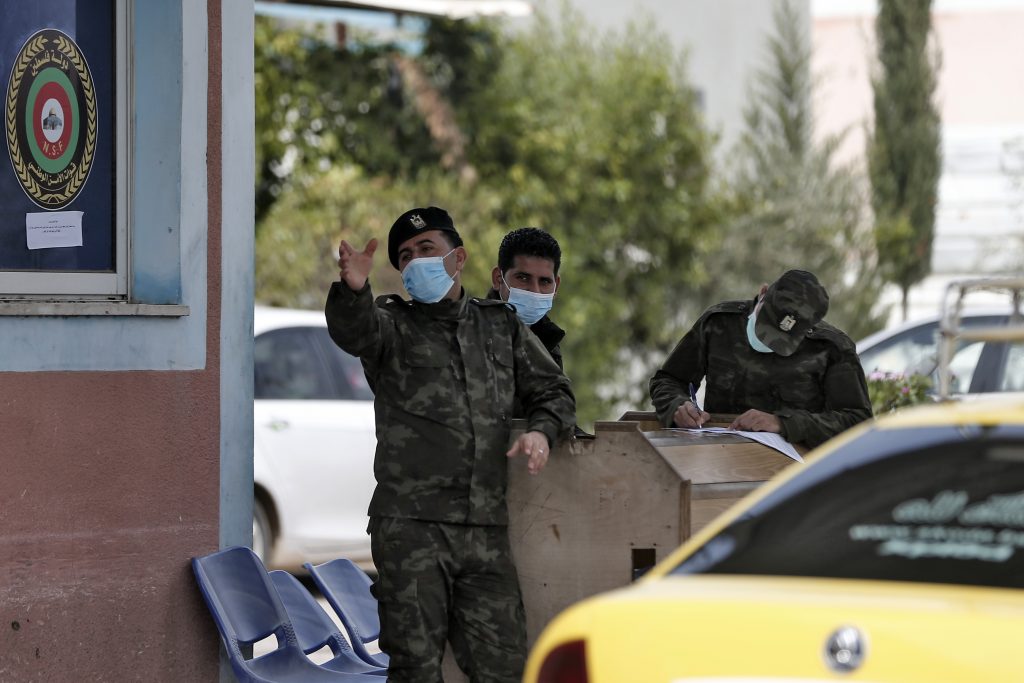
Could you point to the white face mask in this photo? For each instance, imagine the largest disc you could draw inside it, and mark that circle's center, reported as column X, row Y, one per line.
column 530, row 306
column 755, row 343
column 426, row 279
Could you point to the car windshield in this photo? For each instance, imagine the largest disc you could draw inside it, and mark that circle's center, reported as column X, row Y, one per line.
column 937, row 505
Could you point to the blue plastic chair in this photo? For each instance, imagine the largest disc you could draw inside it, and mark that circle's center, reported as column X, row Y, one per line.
column 315, row 630
column 246, row 608
column 347, row 589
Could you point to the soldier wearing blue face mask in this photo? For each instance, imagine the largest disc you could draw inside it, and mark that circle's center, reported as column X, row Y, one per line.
column 773, row 361
column 527, row 278
column 446, row 370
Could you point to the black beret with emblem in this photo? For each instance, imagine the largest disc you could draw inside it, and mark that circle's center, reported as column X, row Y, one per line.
column 793, row 304
column 415, row 221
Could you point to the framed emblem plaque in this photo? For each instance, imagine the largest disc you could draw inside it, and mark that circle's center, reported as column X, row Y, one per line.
column 63, row 203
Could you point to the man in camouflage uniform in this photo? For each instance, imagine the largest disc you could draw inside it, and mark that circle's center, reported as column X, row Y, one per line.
column 445, row 370
column 773, row 361
column 528, row 261
column 527, row 278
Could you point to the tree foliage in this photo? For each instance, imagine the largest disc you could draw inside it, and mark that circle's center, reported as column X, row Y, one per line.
column 318, row 105
column 621, row 181
column 596, row 138
column 297, row 250
column 904, row 155
column 793, row 206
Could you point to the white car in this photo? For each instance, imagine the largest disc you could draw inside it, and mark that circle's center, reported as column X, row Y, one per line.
column 314, row 443
column 977, row 366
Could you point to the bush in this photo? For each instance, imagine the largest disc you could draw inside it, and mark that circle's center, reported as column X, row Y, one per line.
column 890, row 391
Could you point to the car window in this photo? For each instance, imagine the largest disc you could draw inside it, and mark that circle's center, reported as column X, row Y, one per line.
column 911, row 351
column 347, row 369
column 1013, row 372
column 948, row 510
column 963, row 365
column 287, row 366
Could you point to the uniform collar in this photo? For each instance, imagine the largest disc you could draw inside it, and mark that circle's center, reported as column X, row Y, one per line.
column 549, row 333
column 445, row 309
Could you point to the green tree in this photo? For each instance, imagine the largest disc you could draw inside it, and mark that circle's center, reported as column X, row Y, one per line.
column 297, row 250
column 319, row 105
column 904, row 155
column 357, row 192
column 597, row 138
column 593, row 137
column 792, row 205
column 462, row 58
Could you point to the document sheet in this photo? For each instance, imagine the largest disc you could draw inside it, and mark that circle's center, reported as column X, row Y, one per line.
column 767, row 438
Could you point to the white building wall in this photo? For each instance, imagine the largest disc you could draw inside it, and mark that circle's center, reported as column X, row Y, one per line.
column 724, row 41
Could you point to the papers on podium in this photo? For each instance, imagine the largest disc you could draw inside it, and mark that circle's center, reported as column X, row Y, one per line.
column 767, row 438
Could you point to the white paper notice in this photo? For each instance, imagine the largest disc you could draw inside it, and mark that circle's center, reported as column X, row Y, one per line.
column 53, row 229
column 767, row 438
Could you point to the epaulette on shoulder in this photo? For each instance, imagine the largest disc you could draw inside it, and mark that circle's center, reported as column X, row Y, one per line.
column 728, row 307
column 391, row 300
column 832, row 334
column 490, row 302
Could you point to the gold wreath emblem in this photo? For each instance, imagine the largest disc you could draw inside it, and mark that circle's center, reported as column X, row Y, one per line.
column 44, row 197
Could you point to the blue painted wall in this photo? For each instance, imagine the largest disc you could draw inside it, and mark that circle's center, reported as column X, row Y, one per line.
column 168, row 261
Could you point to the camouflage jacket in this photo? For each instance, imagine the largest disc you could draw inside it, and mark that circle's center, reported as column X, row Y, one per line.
column 816, row 393
column 549, row 333
column 445, row 376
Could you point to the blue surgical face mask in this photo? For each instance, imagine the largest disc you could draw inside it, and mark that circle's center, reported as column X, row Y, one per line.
column 755, row 343
column 530, row 306
column 426, row 279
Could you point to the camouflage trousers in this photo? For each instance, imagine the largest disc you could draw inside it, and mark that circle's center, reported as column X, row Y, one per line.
column 454, row 582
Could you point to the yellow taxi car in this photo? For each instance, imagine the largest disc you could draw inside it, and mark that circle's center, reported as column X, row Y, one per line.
column 895, row 553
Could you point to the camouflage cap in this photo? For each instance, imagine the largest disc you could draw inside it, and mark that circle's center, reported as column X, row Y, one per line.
column 792, row 305
column 415, row 221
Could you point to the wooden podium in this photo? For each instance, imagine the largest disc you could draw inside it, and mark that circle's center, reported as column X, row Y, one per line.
column 606, row 508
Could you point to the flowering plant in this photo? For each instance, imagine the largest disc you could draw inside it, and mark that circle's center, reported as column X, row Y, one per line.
column 891, row 390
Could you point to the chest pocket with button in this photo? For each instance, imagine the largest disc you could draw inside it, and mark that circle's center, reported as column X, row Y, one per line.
column 726, row 380
column 800, row 381
column 424, row 377
column 503, row 378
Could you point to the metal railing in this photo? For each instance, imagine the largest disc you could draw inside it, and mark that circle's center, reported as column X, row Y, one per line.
column 951, row 328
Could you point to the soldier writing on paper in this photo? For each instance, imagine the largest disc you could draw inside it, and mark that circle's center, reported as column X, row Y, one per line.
column 773, row 361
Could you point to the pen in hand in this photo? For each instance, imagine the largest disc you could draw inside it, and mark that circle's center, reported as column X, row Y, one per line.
column 693, row 400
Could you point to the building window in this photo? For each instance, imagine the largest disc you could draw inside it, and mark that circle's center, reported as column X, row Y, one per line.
column 64, row 215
